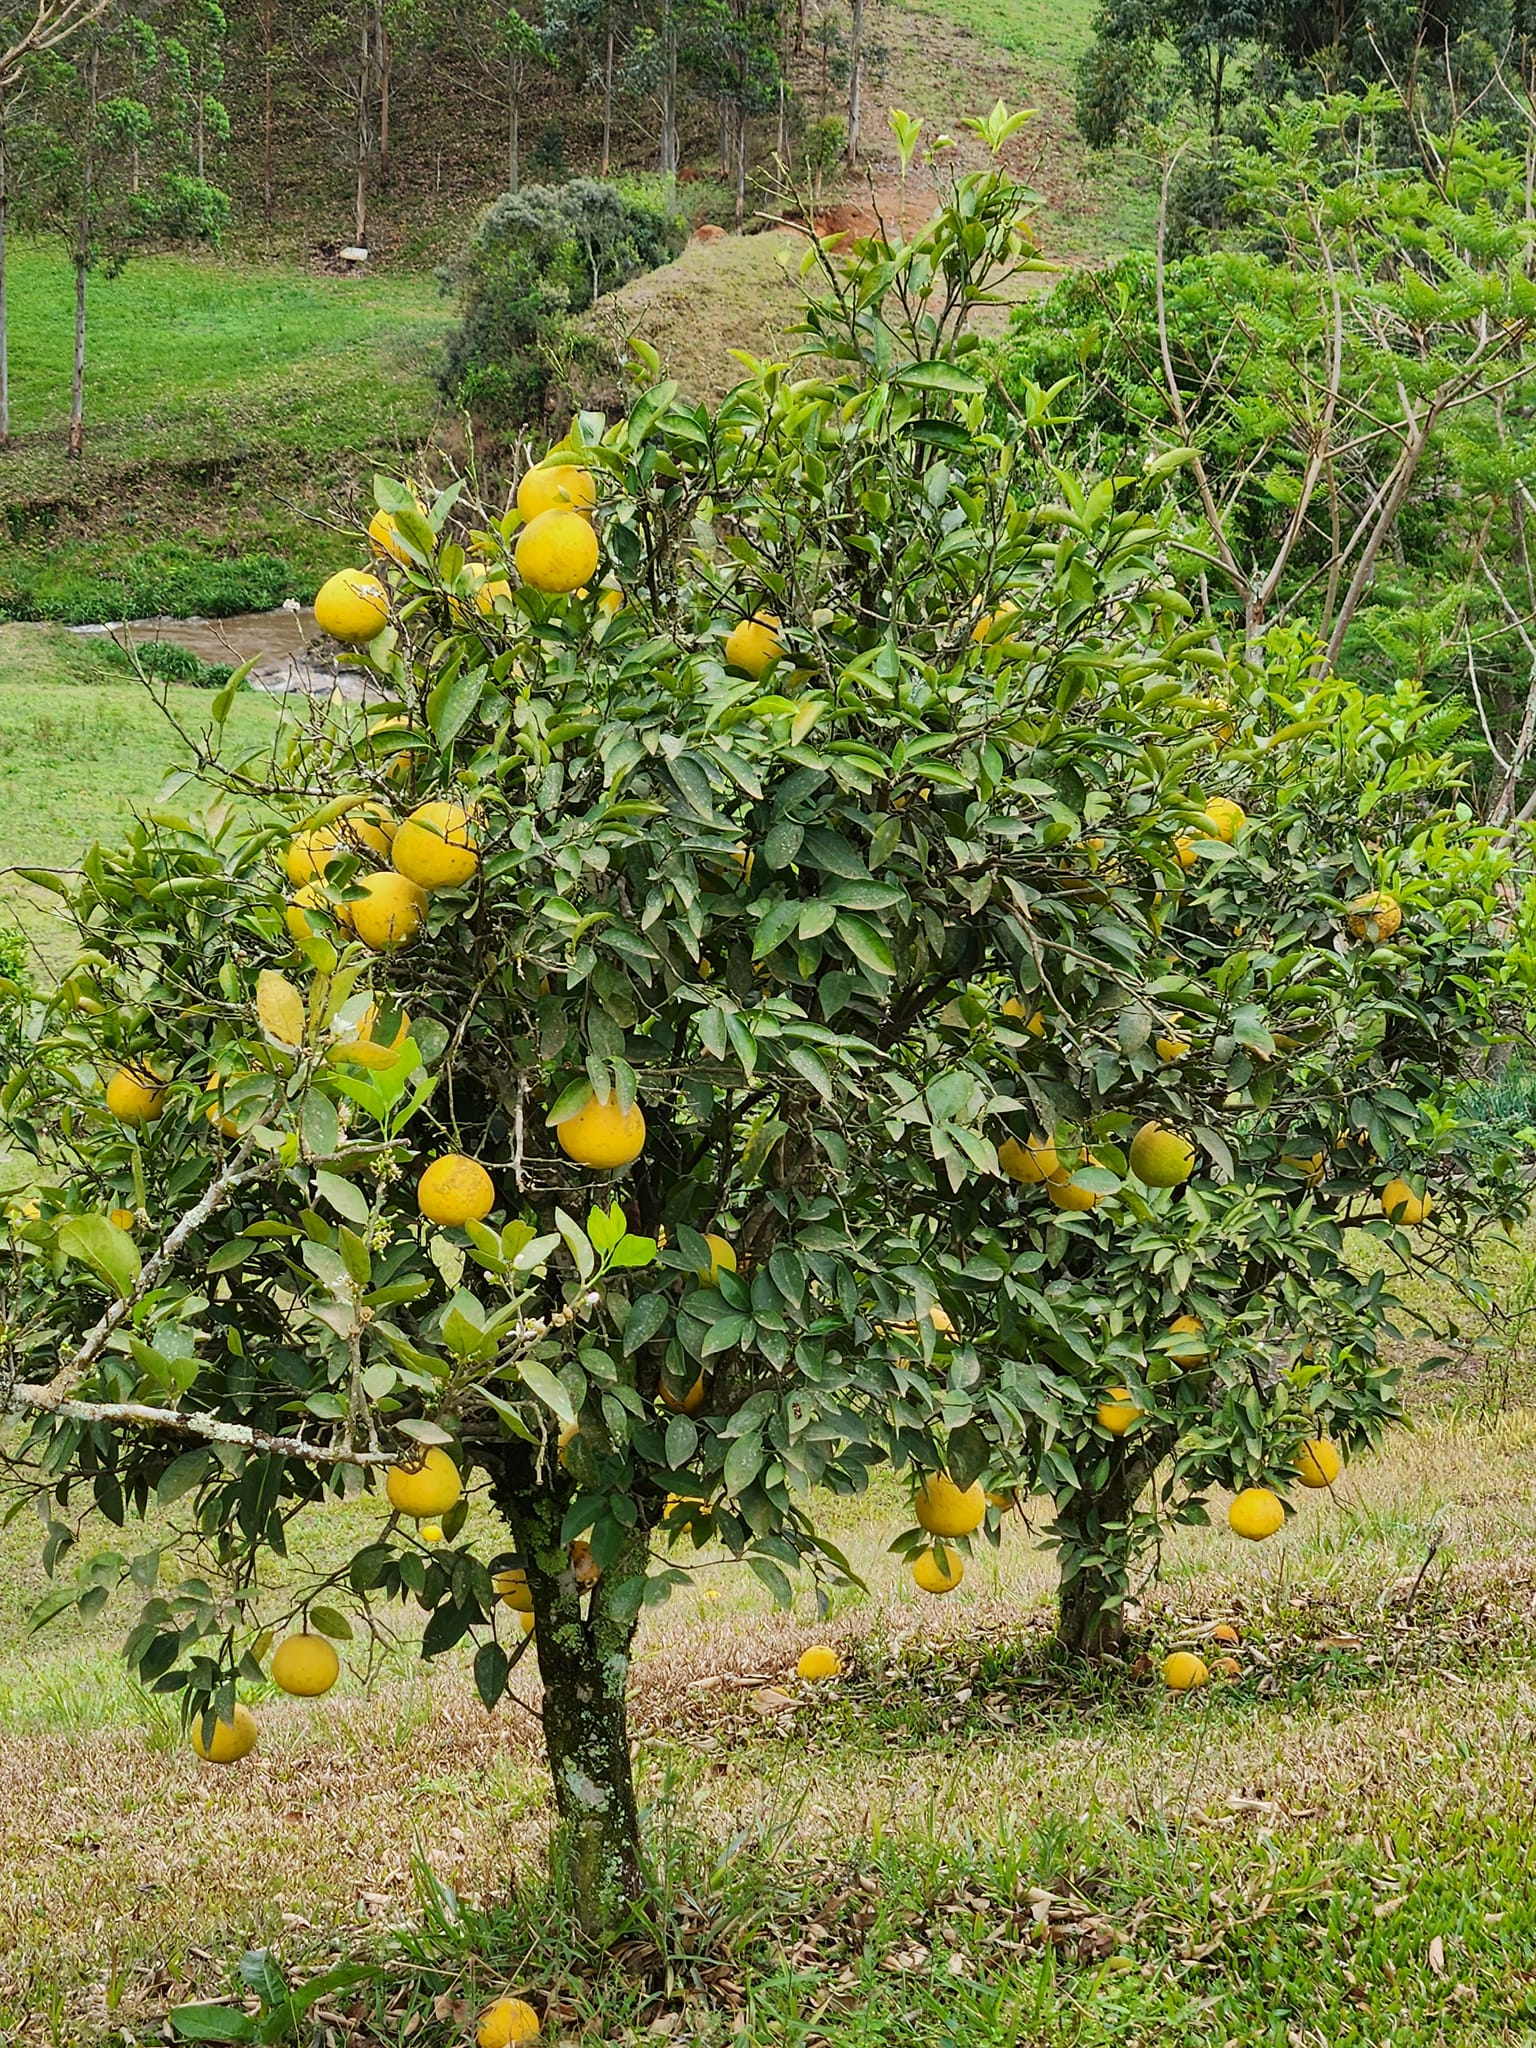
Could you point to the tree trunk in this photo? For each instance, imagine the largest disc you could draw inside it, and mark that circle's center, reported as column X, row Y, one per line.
column 584, row 1660
column 1094, row 1539
column 514, row 114
column 607, row 106
column 741, row 169
column 669, row 99
column 384, row 59
column 77, row 382
column 5, row 332
column 855, row 81
column 360, row 217
column 266, row 112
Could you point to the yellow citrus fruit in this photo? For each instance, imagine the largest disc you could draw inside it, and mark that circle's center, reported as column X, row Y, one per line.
column 1064, row 1193
column 557, row 552
column 352, row 607
column 1032, row 1020
column 819, row 1662
column 489, row 593
column 124, row 1219
column 435, row 847
column 366, row 828
column 232, row 1739
column 1172, row 1045
column 1160, row 1158
column 526, row 1620
column 1402, row 1205
column 1310, row 1165
column 944, row 1509
column 1376, row 916
column 512, row 1586
column 454, row 1191
column 603, row 1136
column 390, row 912
column 1184, row 1671
column 686, row 1404
column 429, row 1532
column 305, row 1666
column 722, row 1258
column 753, row 645
column 1117, row 1412
column 307, row 913
column 1032, row 1162
column 1187, row 1326
column 1318, row 1462
column 364, row 1048
column 386, row 538
column 1227, row 819
column 938, row 1570
column 1256, row 1513
column 988, row 623
column 507, row 2022
column 585, row 1569
column 428, row 1489
column 555, row 487
column 136, row 1094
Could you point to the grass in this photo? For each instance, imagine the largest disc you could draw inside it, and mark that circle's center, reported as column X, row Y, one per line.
column 82, row 745
column 958, row 1841
column 230, row 406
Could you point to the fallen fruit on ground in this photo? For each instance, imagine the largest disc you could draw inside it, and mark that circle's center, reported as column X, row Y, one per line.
column 557, row 552
column 435, row 847
column 389, row 913
column 353, row 606
column 603, row 1136
column 454, row 1191
column 1184, row 1671
column 1400, row 1204
column 507, row 2022
column 1256, row 1513
column 1318, row 1462
column 1224, row 1632
column 1160, row 1158
column 136, row 1094
column 754, row 645
column 944, row 1509
column 938, row 1570
column 819, row 1662
column 232, row 1740
column 306, row 1666
column 1117, row 1412
column 430, row 1488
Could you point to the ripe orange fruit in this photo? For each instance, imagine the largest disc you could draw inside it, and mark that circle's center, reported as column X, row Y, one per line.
column 819, row 1662
column 557, row 552
column 1256, row 1513
column 232, row 1741
column 689, row 1403
column 1160, row 1158
column 428, row 1489
column 305, row 1666
column 507, row 2023
column 390, row 912
column 1376, row 916
column 602, row 1136
column 136, row 1094
column 1032, row 1162
column 555, row 487
column 454, row 1191
column 938, row 1570
column 352, row 607
column 944, row 1509
column 435, row 847
column 1117, row 1412
column 754, row 645
column 1318, row 1462
column 1400, row 1204
column 1184, row 1671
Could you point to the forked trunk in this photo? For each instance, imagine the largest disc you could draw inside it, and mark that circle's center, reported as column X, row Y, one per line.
column 583, row 1641
column 1089, row 1621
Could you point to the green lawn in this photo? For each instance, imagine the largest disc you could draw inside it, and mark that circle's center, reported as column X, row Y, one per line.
column 231, row 410
column 82, row 744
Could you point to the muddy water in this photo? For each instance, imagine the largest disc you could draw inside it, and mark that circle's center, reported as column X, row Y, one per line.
column 283, row 644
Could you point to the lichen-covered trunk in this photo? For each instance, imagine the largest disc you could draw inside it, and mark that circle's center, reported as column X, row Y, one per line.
column 583, row 1637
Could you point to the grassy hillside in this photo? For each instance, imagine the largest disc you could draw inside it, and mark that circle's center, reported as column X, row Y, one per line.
column 230, row 408
column 81, row 747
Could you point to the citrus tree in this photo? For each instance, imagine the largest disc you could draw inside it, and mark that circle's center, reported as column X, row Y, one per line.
column 811, row 963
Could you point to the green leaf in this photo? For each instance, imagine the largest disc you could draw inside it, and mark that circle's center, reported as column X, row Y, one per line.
column 492, row 1668
column 452, row 704
column 212, row 2023
column 865, row 943
column 329, row 1621
column 939, row 376
column 110, row 1253
column 540, row 1381
column 647, row 1313
column 743, row 1462
column 259, row 1973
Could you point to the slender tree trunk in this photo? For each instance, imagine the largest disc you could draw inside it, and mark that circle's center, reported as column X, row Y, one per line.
column 202, row 130
column 384, row 59
column 360, row 219
column 799, row 28
column 514, row 90
column 855, row 81
column 77, row 382
column 5, row 332
column 669, row 98
column 607, row 105
column 741, row 169
column 583, row 1642
column 266, row 112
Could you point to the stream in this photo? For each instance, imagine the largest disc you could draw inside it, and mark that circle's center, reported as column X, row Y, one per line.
column 283, row 644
